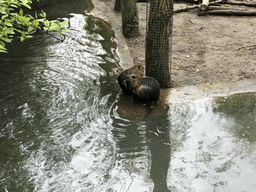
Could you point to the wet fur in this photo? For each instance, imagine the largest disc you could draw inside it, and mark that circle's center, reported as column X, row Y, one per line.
column 145, row 90
column 137, row 70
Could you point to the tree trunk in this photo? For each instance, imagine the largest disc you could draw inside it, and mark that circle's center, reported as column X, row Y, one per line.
column 130, row 21
column 117, row 5
column 158, row 41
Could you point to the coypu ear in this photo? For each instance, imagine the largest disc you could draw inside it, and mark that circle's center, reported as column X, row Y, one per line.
column 140, row 67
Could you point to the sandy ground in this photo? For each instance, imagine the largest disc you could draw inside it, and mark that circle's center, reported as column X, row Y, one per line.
column 205, row 49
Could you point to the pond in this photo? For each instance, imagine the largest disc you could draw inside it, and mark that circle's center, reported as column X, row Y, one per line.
column 60, row 130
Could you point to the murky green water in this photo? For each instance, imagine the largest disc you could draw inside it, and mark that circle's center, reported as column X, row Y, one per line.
column 59, row 132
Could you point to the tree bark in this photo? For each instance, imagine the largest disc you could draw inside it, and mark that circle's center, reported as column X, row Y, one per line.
column 130, row 20
column 117, row 6
column 158, row 44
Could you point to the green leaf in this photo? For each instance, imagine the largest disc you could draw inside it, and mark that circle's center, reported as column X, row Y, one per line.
column 25, row 20
column 3, row 50
column 63, row 24
column 35, row 24
column 13, row 20
column 3, row 11
column 8, row 23
column 21, row 12
column 15, row 6
column 54, row 26
column 47, row 24
column 2, row 43
column 26, row 5
column 4, row 16
column 43, row 14
column 11, row 31
column 63, row 31
column 22, row 38
column 21, row 32
column 30, row 29
column 6, row 39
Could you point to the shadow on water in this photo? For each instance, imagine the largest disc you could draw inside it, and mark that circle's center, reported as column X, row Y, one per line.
column 160, row 147
column 143, row 148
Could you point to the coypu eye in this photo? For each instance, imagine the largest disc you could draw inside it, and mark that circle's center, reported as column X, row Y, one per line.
column 133, row 77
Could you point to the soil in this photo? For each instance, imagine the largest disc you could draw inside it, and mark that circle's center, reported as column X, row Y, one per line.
column 205, row 49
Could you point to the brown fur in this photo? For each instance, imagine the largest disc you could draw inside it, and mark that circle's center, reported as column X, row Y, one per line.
column 145, row 89
column 137, row 70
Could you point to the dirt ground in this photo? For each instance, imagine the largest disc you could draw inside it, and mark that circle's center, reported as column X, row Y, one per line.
column 205, row 49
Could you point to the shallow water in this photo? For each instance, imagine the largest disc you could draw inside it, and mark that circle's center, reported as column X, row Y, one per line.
column 55, row 101
column 214, row 144
column 59, row 131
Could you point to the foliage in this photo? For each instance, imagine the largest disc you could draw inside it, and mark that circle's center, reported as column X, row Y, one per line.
column 14, row 21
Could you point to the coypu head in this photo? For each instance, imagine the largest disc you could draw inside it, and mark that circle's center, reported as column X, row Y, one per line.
column 140, row 67
column 138, row 70
column 132, row 81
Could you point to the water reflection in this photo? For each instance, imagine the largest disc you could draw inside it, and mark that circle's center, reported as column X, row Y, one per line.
column 55, row 128
column 209, row 153
column 240, row 108
column 160, row 147
column 143, row 149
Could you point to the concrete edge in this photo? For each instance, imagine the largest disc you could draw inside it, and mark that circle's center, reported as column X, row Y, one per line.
column 203, row 91
column 102, row 11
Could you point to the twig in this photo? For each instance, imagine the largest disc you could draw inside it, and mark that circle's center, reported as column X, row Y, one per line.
column 246, row 47
column 159, row 130
column 186, row 9
column 227, row 13
column 241, row 3
column 194, row 7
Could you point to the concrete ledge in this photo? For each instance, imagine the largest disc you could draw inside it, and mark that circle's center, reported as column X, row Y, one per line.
column 102, row 11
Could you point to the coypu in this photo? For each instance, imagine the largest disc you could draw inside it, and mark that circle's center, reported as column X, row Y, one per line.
column 145, row 89
column 137, row 70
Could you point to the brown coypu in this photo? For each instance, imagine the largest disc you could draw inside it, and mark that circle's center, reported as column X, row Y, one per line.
column 145, row 89
column 137, row 70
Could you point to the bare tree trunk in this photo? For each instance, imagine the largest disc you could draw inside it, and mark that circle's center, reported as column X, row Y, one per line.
column 130, row 21
column 117, row 5
column 158, row 43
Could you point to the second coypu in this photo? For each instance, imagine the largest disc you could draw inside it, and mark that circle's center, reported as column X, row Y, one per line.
column 137, row 70
column 145, row 89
